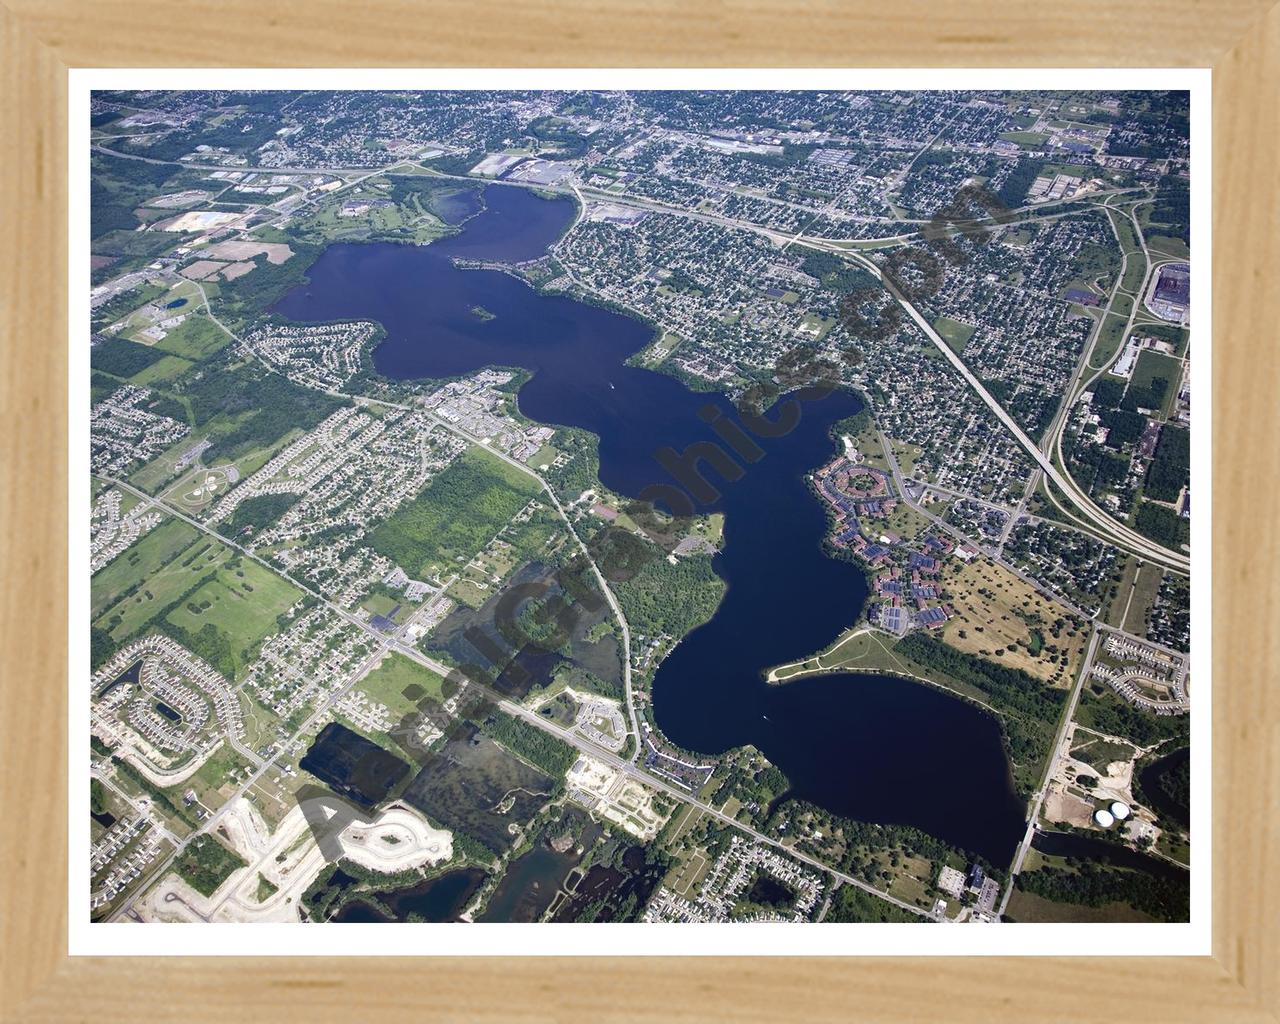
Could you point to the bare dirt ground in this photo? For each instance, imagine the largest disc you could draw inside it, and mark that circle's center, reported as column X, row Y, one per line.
column 201, row 269
column 399, row 839
column 276, row 252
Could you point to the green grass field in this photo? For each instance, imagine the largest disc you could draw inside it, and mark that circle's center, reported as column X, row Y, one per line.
column 953, row 332
column 160, row 586
column 1028, row 140
column 158, row 471
column 1170, row 246
column 387, row 683
column 1110, row 338
column 869, row 651
column 197, row 337
column 1113, row 615
column 219, row 777
column 1122, row 305
column 164, row 369
column 408, row 220
column 243, row 601
column 1134, row 271
column 544, row 456
column 1152, row 364
column 1128, row 237
column 1147, row 585
column 138, row 562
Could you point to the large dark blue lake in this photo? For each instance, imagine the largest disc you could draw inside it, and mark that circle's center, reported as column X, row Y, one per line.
column 874, row 748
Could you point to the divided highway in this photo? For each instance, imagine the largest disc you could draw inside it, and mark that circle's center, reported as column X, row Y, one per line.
column 1119, row 534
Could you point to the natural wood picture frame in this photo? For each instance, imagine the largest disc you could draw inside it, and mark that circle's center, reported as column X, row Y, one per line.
column 42, row 39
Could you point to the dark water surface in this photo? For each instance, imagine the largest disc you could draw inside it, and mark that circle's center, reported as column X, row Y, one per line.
column 455, row 207
column 1070, row 844
column 871, row 747
column 436, row 900
column 1161, row 801
column 529, row 886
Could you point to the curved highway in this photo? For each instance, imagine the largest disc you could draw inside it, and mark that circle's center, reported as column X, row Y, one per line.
column 1119, row 534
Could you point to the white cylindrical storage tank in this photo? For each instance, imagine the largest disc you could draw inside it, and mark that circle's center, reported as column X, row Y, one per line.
column 1103, row 817
column 1120, row 810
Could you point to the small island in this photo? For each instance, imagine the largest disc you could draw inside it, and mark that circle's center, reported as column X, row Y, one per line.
column 480, row 313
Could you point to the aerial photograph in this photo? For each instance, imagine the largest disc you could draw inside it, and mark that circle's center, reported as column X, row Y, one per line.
column 638, row 506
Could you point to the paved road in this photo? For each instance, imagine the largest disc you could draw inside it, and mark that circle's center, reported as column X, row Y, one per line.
column 546, row 488
column 392, row 643
column 1082, row 380
column 1116, row 532
column 1050, row 768
column 1083, row 364
column 993, row 553
column 598, row 752
column 1122, row 535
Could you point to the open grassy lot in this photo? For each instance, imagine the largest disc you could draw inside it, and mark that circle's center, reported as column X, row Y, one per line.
column 408, row 220
column 1028, row 140
column 858, row 649
column 524, row 542
column 661, row 349
column 692, row 863
column 1113, row 614
column 953, row 332
column 218, row 779
column 197, row 490
column 382, row 604
column 164, row 369
column 161, row 586
column 1122, row 305
column 159, row 471
column 1134, row 271
column 1110, row 337
column 252, row 461
column 905, row 521
column 138, row 562
column 242, row 600
column 259, row 724
column 1127, row 236
column 1174, row 247
column 197, row 337
column 543, row 457
column 394, row 674
column 455, row 515
column 1152, row 364
column 470, row 592
column 906, row 454
column 1146, row 584
column 1000, row 617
